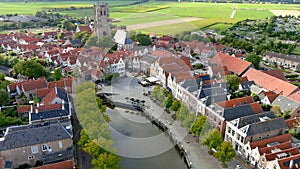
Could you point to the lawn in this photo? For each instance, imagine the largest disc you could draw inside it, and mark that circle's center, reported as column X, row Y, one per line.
column 30, row 8
column 296, row 51
column 219, row 27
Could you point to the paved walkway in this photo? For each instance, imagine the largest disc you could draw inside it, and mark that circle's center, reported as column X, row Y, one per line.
column 197, row 153
column 233, row 12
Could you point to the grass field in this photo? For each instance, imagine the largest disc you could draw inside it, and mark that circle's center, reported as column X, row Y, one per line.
column 296, row 51
column 157, row 11
column 219, row 27
column 31, row 7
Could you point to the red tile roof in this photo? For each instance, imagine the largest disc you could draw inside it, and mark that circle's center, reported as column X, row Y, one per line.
column 233, row 64
column 236, row 102
column 1, row 163
column 41, row 93
column 291, row 122
column 41, row 108
column 34, row 84
column 291, row 151
column 49, row 97
column 84, row 28
column 263, row 143
column 60, row 165
column 267, row 150
column 288, row 159
column 276, row 73
column 270, row 83
column 256, row 108
column 295, row 96
column 161, row 53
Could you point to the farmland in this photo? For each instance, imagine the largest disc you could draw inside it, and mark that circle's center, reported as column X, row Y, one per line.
column 214, row 15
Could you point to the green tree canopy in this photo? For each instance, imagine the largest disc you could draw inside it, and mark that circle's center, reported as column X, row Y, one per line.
column 2, row 76
column 4, row 97
column 57, row 75
column 168, row 101
column 254, row 59
column 68, row 25
column 198, row 125
column 212, row 139
column 225, row 152
column 233, row 82
column 31, row 68
column 176, row 105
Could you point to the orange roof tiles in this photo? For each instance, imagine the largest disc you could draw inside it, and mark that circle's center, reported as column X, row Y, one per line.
column 40, row 108
column 276, row 73
column 35, row 84
column 270, row 83
column 291, row 122
column 295, row 96
column 40, row 93
column 267, row 150
column 263, row 143
column 291, row 151
column 49, row 97
column 236, row 102
column 60, row 165
column 161, row 53
column 236, row 65
column 288, row 159
column 256, row 108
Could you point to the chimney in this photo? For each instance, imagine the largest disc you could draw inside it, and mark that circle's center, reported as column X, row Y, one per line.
column 31, row 108
column 36, row 110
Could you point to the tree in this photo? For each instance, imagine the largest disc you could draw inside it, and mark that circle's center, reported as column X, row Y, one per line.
column 57, row 75
column 183, row 112
column 233, row 82
column 254, row 59
column 168, row 101
column 68, row 25
column 106, row 42
column 225, row 153
column 212, row 139
column 106, row 161
column 198, row 66
column 198, row 125
column 31, row 69
column 61, row 36
column 189, row 120
column 176, row 105
column 276, row 110
column 143, row 39
column 2, row 76
column 4, row 97
column 92, row 41
column 83, row 36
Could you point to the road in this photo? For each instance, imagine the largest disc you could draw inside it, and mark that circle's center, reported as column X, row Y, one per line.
column 197, row 153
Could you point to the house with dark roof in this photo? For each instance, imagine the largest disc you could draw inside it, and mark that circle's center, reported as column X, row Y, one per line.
column 253, row 128
column 29, row 144
column 218, row 115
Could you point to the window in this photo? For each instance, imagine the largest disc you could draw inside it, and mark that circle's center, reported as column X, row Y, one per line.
column 34, row 149
column 30, row 157
column 60, row 144
column 44, row 147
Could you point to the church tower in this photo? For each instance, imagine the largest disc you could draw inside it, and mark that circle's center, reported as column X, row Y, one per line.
column 102, row 23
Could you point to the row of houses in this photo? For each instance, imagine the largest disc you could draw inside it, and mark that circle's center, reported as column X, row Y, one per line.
column 286, row 61
column 257, row 135
column 48, row 138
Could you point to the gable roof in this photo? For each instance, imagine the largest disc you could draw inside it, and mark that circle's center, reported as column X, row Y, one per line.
column 50, row 112
column 60, row 165
column 236, row 102
column 284, row 163
column 282, row 146
column 32, row 136
column 270, row 83
column 41, row 93
column 34, row 84
column 256, row 107
column 295, row 96
column 236, row 65
column 55, row 92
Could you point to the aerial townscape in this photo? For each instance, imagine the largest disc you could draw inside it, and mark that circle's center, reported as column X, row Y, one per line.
column 202, row 84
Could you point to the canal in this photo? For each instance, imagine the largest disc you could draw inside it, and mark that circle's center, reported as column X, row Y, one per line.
column 141, row 144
